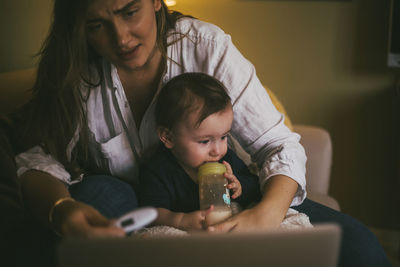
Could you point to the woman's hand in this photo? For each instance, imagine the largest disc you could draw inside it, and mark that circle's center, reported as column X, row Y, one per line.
column 268, row 213
column 74, row 218
column 41, row 191
column 254, row 219
column 233, row 182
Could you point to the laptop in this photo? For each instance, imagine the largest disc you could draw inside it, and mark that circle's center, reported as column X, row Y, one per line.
column 317, row 246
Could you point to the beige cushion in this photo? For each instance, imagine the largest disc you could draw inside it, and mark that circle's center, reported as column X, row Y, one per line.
column 280, row 108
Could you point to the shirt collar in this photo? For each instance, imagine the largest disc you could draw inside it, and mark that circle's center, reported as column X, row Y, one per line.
column 112, row 78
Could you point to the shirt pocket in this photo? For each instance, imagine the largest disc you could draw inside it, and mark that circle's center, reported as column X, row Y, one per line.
column 115, row 156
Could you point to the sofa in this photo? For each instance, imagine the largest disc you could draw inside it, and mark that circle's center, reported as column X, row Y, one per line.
column 14, row 92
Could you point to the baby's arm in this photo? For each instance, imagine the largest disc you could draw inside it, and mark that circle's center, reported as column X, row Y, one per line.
column 233, row 182
column 192, row 221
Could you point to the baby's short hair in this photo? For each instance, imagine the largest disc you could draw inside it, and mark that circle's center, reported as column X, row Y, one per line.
column 187, row 93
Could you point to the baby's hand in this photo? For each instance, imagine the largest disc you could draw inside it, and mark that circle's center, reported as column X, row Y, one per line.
column 233, row 182
column 195, row 220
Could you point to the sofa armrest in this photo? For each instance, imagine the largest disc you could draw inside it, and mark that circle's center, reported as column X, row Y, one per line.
column 318, row 146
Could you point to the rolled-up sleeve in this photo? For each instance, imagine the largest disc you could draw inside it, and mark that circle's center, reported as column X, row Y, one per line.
column 258, row 126
column 36, row 159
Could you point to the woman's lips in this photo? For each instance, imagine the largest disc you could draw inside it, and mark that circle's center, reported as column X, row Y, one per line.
column 129, row 54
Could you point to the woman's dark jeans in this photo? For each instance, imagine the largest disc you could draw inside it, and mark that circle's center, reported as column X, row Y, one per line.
column 110, row 196
column 359, row 246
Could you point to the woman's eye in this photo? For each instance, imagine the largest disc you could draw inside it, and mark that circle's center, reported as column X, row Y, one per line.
column 203, row 142
column 130, row 13
column 94, row 26
column 224, row 137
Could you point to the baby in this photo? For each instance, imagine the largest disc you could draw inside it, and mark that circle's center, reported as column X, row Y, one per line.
column 194, row 116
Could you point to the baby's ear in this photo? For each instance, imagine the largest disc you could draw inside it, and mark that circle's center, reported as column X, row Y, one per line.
column 165, row 136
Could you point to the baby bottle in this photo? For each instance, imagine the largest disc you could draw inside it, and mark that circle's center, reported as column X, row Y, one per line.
column 213, row 191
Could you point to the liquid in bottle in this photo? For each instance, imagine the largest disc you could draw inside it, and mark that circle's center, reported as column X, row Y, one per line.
column 213, row 191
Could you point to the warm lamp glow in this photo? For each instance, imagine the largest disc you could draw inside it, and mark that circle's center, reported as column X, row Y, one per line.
column 170, row 2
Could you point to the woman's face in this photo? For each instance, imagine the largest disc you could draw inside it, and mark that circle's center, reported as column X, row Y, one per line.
column 123, row 31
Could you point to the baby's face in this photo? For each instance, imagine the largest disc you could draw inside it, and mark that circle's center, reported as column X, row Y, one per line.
column 193, row 146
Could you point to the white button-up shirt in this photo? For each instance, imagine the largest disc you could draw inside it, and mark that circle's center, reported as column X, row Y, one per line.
column 116, row 142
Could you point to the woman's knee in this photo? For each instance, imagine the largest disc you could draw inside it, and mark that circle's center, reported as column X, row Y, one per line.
column 111, row 196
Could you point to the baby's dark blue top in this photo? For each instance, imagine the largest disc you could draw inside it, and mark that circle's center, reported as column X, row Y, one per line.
column 164, row 183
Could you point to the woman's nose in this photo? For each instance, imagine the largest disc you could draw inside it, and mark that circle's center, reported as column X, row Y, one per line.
column 122, row 35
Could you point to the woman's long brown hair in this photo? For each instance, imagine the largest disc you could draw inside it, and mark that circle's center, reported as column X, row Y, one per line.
column 56, row 109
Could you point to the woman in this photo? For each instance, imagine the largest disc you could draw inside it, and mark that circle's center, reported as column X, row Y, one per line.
column 92, row 112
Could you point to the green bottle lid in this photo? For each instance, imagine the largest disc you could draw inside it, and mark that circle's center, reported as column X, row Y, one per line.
column 211, row 168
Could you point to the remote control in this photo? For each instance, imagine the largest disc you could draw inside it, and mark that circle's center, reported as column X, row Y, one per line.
column 136, row 219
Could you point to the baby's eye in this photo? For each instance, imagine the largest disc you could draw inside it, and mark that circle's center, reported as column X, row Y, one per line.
column 204, row 142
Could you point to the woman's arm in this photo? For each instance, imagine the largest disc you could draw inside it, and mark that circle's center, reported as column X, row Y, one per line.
column 257, row 125
column 41, row 192
column 260, row 130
